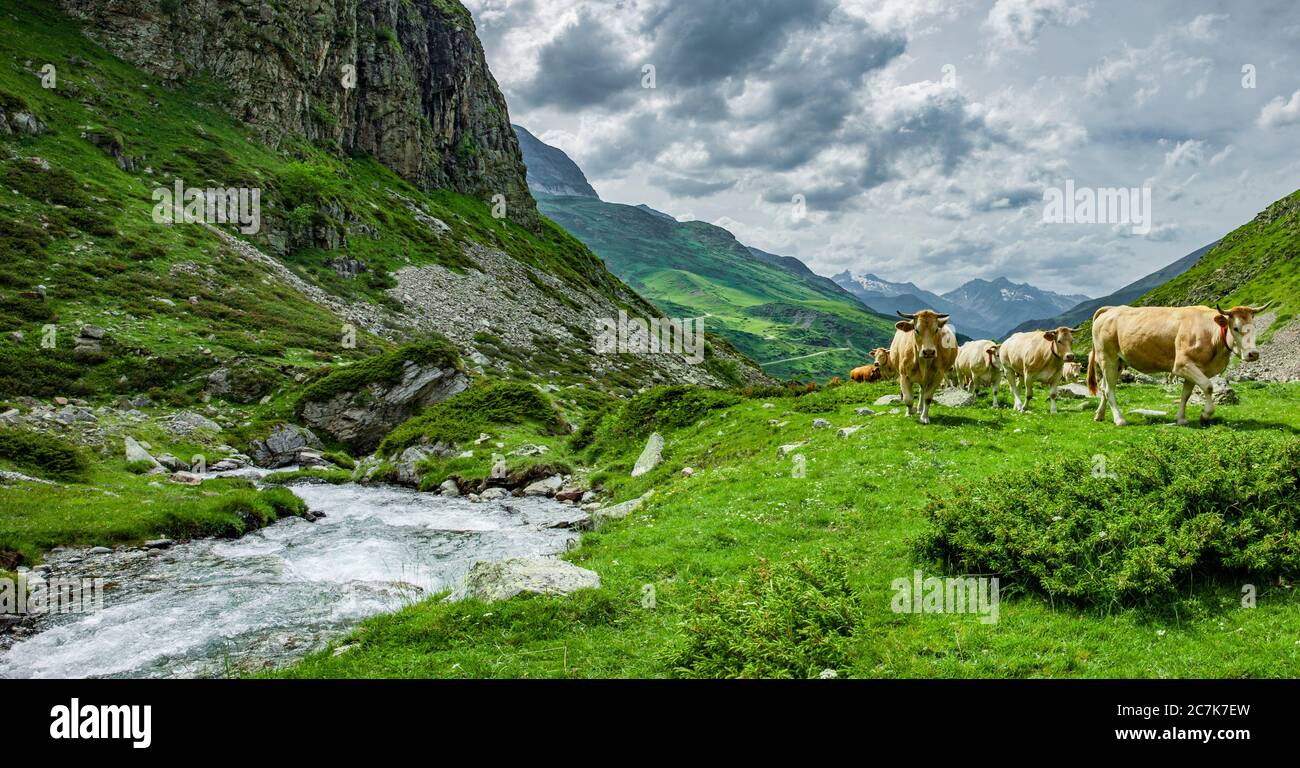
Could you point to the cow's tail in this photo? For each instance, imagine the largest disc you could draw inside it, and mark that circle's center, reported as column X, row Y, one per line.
column 1092, row 369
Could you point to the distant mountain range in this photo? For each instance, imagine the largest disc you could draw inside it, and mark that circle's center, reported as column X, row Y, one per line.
column 1126, row 295
column 774, row 309
column 980, row 308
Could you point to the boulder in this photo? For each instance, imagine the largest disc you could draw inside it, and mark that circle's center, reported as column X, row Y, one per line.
column 492, row 581
column 618, row 511
column 651, row 455
column 449, row 488
column 494, row 494
column 889, row 400
column 1224, row 394
column 408, row 472
column 136, row 452
column 360, row 419
column 569, row 494
column 864, row 411
column 188, row 478
column 821, row 424
column 847, row 431
column 955, row 397
column 545, row 487
column 172, row 463
column 187, row 423
column 280, row 448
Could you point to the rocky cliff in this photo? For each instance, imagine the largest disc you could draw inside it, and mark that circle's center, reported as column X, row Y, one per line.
column 403, row 81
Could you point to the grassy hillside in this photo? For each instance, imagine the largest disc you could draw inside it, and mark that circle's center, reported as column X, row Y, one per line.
column 1255, row 263
column 759, row 571
column 794, row 326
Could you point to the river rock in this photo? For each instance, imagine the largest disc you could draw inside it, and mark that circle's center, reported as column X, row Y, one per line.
column 408, row 464
column 449, row 488
column 158, row 544
column 545, row 487
column 281, row 447
column 651, row 455
column 494, row 494
column 492, row 581
column 172, row 463
column 100, row 551
column 568, row 494
column 618, row 511
column 189, row 478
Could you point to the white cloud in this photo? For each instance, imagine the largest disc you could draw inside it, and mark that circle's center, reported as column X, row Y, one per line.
column 1016, row 24
column 1280, row 112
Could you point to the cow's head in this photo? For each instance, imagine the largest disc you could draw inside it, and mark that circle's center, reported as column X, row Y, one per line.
column 926, row 327
column 1240, row 325
column 1062, row 340
column 880, row 355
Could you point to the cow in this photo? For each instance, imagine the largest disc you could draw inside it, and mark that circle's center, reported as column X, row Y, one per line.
column 1071, row 371
column 978, row 365
column 1036, row 356
column 923, row 350
column 865, row 373
column 881, row 357
column 1193, row 343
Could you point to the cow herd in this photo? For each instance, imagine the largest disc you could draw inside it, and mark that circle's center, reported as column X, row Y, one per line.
column 1192, row 343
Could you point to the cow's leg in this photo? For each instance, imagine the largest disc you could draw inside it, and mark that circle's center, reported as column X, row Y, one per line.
column 905, row 391
column 927, row 397
column 1028, row 381
column 1110, row 375
column 1191, row 373
column 1188, row 389
column 994, row 394
column 1051, row 394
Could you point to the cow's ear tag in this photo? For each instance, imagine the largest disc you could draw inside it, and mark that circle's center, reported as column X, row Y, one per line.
column 1221, row 320
column 904, row 326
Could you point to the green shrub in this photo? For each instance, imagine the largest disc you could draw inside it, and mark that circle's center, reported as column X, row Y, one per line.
column 463, row 416
column 139, row 467
column 1163, row 512
column 43, row 454
column 657, row 409
column 785, row 620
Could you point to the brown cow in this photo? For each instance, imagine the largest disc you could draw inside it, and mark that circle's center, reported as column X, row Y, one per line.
column 1194, row 343
column 881, row 356
column 865, row 373
column 1071, row 371
column 1036, row 356
column 923, row 350
column 977, row 366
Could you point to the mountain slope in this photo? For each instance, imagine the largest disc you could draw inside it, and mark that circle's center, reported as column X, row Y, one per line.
column 347, row 248
column 550, row 171
column 1000, row 304
column 1128, row 294
column 773, row 309
column 887, row 297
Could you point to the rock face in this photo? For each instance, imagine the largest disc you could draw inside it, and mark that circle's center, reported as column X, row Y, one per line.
column 543, row 576
column 651, row 455
column 405, row 82
column 361, row 419
column 136, row 452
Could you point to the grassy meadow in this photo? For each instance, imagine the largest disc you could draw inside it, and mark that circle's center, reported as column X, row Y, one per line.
column 756, row 571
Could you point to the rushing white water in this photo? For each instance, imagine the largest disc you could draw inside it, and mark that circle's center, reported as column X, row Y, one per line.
column 213, row 607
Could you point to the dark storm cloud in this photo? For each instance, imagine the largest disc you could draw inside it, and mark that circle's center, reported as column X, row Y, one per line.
column 584, row 66
column 703, row 42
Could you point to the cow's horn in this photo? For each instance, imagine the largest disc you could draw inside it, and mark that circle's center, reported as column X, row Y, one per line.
column 1077, row 329
column 904, row 315
column 1267, row 304
column 943, row 316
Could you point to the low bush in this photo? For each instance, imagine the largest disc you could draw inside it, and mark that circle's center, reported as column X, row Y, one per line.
column 785, row 620
column 1140, row 528
column 463, row 416
column 42, row 454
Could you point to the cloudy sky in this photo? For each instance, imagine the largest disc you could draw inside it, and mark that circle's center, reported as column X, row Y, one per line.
column 919, row 135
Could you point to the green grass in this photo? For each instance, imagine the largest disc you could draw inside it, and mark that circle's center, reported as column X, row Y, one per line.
column 864, row 499
column 479, row 409
column 116, row 507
